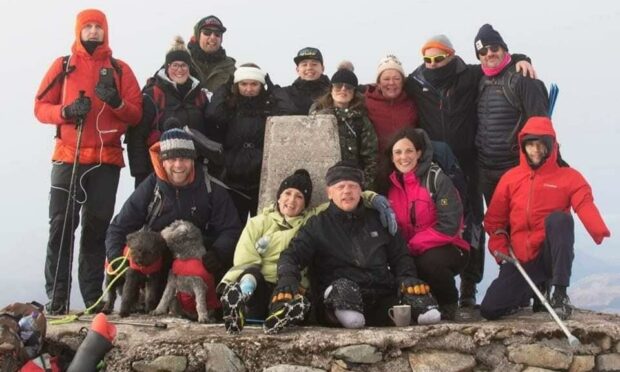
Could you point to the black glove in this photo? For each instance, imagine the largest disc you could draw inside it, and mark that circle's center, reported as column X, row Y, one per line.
column 108, row 94
column 285, row 290
column 269, row 83
column 212, row 262
column 78, row 109
column 414, row 286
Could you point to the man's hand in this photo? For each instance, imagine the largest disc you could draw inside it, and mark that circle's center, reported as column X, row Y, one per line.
column 108, row 94
column 526, row 69
column 78, row 109
column 386, row 214
column 414, row 286
column 285, row 291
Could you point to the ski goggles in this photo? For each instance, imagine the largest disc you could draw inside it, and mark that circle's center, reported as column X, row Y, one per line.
column 435, row 59
column 485, row 50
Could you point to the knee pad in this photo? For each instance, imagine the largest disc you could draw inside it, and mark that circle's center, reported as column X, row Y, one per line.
column 343, row 294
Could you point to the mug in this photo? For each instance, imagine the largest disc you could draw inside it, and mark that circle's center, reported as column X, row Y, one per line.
column 400, row 315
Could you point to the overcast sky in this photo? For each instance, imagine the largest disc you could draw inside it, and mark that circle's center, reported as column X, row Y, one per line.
column 572, row 43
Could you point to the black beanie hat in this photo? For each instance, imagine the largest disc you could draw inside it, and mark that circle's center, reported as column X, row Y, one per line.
column 344, row 170
column 299, row 180
column 488, row 36
column 345, row 76
column 178, row 52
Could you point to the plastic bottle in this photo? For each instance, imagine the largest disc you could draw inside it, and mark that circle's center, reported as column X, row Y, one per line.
column 247, row 284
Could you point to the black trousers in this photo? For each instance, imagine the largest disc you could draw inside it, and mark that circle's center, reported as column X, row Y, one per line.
column 96, row 195
column 473, row 233
column 552, row 266
column 257, row 306
column 437, row 267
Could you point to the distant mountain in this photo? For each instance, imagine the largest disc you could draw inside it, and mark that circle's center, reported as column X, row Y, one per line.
column 598, row 292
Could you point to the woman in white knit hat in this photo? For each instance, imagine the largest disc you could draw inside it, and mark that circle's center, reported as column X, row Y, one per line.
column 388, row 106
column 239, row 110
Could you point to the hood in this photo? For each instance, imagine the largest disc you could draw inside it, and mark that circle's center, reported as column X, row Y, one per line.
column 539, row 126
column 424, row 163
column 161, row 74
column 158, row 167
column 91, row 15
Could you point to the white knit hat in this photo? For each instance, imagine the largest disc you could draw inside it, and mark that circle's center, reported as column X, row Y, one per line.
column 390, row 62
column 249, row 73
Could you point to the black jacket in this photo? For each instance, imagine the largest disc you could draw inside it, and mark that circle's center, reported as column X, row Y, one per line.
column 352, row 245
column 500, row 120
column 213, row 212
column 162, row 100
column 297, row 98
column 239, row 123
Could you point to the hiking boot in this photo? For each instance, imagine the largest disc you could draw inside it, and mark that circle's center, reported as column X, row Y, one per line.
column 233, row 304
column 291, row 312
column 448, row 311
column 537, row 305
column 561, row 304
column 467, row 294
column 58, row 309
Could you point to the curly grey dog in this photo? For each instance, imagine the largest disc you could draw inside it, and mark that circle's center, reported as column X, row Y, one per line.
column 148, row 260
column 186, row 279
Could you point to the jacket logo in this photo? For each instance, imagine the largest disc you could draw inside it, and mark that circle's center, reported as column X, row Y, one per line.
column 374, row 234
column 550, row 185
column 443, row 202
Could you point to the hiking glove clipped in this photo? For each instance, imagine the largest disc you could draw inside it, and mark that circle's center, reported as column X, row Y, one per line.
column 78, row 109
column 212, row 262
column 386, row 214
column 414, row 286
column 108, row 94
column 286, row 289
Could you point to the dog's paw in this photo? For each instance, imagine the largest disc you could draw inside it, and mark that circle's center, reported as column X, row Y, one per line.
column 124, row 314
column 107, row 309
column 158, row 311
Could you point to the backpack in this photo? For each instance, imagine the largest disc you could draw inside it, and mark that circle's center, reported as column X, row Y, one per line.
column 67, row 69
column 22, row 330
column 445, row 161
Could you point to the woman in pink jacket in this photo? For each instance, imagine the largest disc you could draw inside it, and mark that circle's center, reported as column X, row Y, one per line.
column 429, row 214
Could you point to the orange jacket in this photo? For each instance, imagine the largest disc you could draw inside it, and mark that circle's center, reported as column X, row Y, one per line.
column 103, row 126
column 524, row 197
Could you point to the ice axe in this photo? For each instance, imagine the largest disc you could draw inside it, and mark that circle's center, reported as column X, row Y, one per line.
column 572, row 340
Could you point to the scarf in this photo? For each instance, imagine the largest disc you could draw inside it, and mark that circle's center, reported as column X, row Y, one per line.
column 496, row 70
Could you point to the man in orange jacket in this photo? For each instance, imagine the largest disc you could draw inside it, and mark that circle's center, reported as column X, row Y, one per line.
column 90, row 89
column 530, row 212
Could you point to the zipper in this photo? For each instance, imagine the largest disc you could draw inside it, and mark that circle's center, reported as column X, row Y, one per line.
column 528, row 220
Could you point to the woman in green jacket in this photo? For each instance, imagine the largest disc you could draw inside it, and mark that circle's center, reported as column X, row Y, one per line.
column 248, row 285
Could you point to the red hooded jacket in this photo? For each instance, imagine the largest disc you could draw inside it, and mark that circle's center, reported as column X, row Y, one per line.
column 104, row 125
column 524, row 197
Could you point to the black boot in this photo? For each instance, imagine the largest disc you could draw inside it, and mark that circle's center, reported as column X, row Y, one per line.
column 448, row 312
column 561, row 303
column 467, row 294
column 538, row 306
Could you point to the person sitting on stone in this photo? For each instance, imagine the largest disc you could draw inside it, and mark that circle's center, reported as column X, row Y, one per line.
column 358, row 140
column 214, row 66
column 248, row 285
column 429, row 214
column 358, row 270
column 529, row 216
column 310, row 84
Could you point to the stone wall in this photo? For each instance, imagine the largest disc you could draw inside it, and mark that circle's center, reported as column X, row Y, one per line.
column 526, row 342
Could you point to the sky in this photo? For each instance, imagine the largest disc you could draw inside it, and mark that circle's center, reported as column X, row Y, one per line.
column 572, row 43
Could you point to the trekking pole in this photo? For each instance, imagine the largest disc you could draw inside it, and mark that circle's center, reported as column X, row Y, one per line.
column 160, row 325
column 572, row 340
column 553, row 96
column 72, row 195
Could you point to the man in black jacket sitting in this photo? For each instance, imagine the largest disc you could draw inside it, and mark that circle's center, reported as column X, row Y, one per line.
column 357, row 269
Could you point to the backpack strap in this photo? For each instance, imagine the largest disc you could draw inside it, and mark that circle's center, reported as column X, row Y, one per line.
column 431, row 179
column 154, row 208
column 66, row 70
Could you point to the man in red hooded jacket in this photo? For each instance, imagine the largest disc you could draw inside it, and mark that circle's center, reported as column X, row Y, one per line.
column 100, row 93
column 530, row 212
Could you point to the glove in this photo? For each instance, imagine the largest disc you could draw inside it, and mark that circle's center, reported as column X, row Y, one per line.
column 386, row 214
column 212, row 262
column 414, row 286
column 78, row 109
column 285, row 291
column 108, row 94
column 261, row 244
column 269, row 83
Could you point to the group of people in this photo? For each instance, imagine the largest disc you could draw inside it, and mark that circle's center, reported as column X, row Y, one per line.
column 362, row 252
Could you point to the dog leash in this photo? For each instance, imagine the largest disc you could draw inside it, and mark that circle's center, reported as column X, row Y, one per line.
column 117, row 273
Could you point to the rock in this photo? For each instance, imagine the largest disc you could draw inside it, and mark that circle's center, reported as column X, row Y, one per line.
column 536, row 369
column 441, row 361
column 582, row 363
column 491, row 355
column 608, row 362
column 618, row 347
column 506, row 366
column 393, row 365
column 292, row 368
column 538, row 355
column 170, row 363
column 604, row 343
column 359, row 354
column 221, row 358
column 453, row 341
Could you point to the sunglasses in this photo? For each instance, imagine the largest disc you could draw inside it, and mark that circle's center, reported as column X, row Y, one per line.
column 484, row 50
column 339, row 86
column 438, row 58
column 208, row 32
